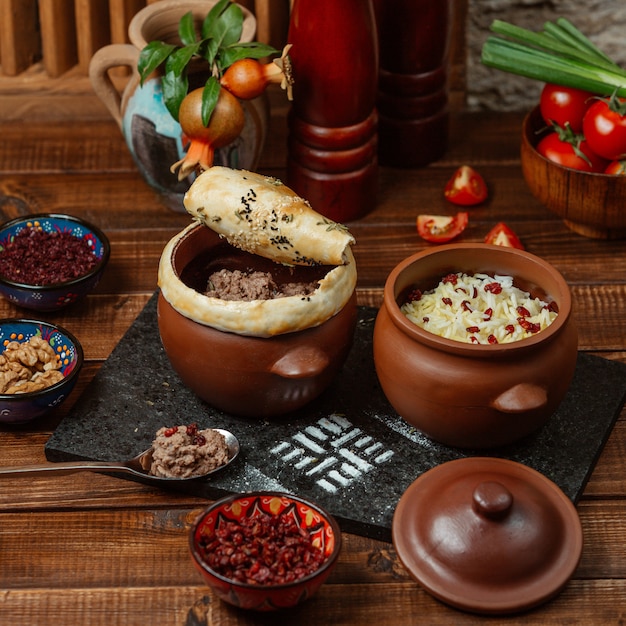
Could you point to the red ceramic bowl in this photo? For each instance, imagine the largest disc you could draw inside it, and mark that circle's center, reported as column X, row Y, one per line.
column 323, row 528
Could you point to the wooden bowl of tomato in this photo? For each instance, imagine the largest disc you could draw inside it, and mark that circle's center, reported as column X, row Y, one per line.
column 591, row 203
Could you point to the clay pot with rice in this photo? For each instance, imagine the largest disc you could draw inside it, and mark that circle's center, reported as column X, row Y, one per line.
column 474, row 395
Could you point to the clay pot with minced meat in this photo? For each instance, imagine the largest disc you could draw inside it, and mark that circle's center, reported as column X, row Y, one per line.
column 239, row 372
column 474, row 395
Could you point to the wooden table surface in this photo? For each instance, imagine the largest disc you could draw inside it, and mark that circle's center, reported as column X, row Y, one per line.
column 98, row 550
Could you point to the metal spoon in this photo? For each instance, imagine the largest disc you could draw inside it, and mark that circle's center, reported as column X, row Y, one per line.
column 138, row 466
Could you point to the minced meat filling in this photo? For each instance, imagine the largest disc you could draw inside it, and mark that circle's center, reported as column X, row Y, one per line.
column 254, row 285
column 186, row 451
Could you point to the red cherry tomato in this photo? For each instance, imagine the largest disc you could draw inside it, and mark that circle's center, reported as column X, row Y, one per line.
column 441, row 228
column 578, row 157
column 564, row 105
column 466, row 187
column 502, row 235
column 604, row 127
column 616, row 167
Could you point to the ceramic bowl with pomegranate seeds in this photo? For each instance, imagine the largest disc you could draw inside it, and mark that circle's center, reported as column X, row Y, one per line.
column 39, row 366
column 50, row 260
column 265, row 551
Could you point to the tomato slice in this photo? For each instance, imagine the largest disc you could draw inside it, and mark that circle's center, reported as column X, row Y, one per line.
column 502, row 235
column 466, row 187
column 616, row 167
column 441, row 228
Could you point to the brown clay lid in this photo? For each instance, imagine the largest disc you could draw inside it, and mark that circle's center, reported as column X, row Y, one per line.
column 487, row 535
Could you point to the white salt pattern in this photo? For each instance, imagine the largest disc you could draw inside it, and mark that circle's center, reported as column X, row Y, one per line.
column 334, row 452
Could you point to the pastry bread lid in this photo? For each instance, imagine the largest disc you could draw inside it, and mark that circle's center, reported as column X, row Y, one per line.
column 257, row 318
column 260, row 215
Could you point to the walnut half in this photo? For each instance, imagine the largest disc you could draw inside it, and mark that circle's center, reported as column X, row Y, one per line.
column 28, row 366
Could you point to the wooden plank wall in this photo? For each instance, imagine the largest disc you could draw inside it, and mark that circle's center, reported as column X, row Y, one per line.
column 20, row 44
column 62, row 35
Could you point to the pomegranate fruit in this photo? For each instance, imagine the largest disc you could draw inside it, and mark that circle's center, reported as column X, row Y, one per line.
column 225, row 125
column 248, row 78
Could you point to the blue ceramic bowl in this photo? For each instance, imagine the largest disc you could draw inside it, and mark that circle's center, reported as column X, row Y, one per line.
column 54, row 296
column 24, row 407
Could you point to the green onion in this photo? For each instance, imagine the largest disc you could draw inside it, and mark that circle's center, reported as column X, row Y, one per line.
column 560, row 55
column 567, row 28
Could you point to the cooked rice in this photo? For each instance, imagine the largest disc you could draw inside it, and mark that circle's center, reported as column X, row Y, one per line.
column 460, row 308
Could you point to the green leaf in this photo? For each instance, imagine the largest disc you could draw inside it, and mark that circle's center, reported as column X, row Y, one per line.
column 210, row 94
column 210, row 51
column 187, row 29
column 179, row 59
column 245, row 50
column 232, row 23
column 256, row 49
column 224, row 23
column 174, row 91
column 155, row 53
column 212, row 17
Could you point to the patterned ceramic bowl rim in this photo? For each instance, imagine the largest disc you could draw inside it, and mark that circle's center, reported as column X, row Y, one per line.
column 76, row 362
column 293, row 500
column 104, row 248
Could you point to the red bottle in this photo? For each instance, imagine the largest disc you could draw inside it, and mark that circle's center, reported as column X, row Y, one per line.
column 332, row 146
column 414, row 38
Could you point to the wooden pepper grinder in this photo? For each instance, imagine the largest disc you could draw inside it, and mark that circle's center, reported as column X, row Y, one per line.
column 332, row 146
column 414, row 38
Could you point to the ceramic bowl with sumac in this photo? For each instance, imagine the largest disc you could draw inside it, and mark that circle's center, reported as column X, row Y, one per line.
column 51, row 260
column 39, row 366
column 264, row 551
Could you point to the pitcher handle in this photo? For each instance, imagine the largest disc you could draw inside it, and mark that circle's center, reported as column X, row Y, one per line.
column 114, row 55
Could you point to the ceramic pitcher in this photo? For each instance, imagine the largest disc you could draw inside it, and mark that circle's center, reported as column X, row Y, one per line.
column 154, row 138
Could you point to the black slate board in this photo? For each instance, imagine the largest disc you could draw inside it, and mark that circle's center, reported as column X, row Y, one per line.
column 348, row 450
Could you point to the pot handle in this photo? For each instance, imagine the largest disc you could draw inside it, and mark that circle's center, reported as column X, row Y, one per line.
column 302, row 362
column 521, row 398
column 114, row 55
